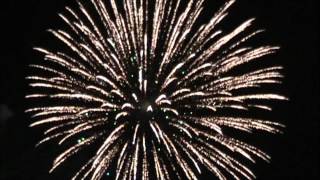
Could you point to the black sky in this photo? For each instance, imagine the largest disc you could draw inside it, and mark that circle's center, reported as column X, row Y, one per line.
column 292, row 24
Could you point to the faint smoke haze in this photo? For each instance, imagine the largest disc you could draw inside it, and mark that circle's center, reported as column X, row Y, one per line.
column 5, row 114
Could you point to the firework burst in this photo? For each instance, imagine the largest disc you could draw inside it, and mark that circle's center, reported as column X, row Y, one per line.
column 144, row 84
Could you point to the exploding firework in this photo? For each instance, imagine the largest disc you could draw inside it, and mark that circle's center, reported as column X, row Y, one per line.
column 152, row 91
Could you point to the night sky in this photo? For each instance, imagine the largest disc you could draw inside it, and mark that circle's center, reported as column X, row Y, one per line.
column 292, row 24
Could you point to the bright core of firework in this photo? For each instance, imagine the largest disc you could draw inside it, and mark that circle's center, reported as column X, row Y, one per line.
column 147, row 87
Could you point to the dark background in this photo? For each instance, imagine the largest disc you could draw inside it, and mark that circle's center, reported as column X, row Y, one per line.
column 292, row 24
